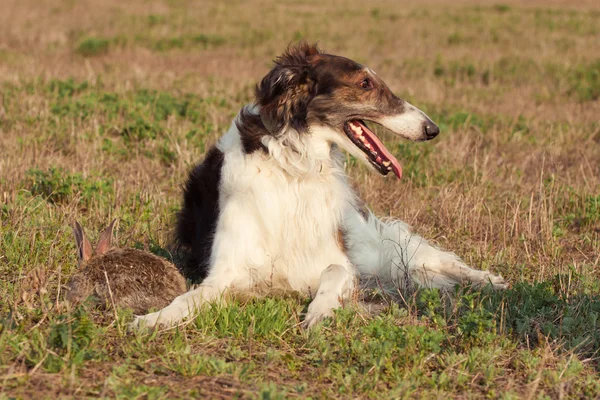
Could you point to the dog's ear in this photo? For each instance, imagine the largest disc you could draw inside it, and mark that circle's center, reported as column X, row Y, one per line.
column 286, row 91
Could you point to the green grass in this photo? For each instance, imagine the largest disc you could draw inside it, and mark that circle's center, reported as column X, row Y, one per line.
column 190, row 41
column 93, row 46
column 579, row 81
column 433, row 344
column 126, row 122
column 57, row 186
column 103, row 117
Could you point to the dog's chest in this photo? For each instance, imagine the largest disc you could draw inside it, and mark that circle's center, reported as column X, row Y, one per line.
column 291, row 221
column 296, row 217
column 298, row 213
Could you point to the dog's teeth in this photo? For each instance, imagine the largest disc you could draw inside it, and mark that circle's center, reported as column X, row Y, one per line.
column 386, row 163
column 368, row 145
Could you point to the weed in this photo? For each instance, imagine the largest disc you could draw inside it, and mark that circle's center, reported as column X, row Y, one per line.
column 208, row 40
column 456, row 38
column 585, row 81
column 501, row 8
column 171, row 43
column 71, row 336
column 154, row 19
column 66, row 88
column 199, row 40
column 92, row 46
column 58, row 186
column 167, row 156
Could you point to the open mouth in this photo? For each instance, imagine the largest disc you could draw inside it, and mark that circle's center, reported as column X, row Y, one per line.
column 377, row 154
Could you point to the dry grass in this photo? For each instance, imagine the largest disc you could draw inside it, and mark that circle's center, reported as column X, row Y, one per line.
column 512, row 184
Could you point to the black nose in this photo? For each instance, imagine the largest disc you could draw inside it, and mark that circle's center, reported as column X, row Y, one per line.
column 431, row 130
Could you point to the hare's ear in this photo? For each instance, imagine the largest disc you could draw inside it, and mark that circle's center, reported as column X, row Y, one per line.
column 84, row 248
column 105, row 239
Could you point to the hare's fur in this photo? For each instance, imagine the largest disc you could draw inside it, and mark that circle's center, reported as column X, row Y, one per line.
column 127, row 278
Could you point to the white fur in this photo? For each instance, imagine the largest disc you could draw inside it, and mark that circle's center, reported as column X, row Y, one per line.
column 408, row 124
column 278, row 229
column 389, row 251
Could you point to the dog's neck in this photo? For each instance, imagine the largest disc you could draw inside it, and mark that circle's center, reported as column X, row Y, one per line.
column 301, row 155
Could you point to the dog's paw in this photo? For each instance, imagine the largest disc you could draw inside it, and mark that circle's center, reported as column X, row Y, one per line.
column 483, row 279
column 147, row 321
column 319, row 309
column 497, row 282
column 457, row 272
column 167, row 317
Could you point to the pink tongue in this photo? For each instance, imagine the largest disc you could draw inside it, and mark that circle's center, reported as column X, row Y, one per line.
column 381, row 150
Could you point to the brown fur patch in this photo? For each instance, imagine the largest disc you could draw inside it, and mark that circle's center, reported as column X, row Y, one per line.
column 286, row 91
column 341, row 240
column 251, row 130
column 128, row 278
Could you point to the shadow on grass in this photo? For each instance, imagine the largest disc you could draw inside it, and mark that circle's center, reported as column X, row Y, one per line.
column 552, row 311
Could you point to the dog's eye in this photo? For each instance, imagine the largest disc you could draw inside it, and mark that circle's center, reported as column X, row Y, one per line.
column 366, row 84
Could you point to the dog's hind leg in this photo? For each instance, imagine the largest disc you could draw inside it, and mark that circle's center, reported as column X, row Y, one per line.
column 336, row 285
column 391, row 252
column 431, row 267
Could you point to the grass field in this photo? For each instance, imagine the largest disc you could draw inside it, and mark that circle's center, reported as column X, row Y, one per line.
column 104, row 107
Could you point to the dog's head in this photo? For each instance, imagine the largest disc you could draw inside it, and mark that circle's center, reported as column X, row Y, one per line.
column 307, row 88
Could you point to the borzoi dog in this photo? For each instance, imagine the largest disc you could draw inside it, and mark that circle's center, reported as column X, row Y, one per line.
column 271, row 208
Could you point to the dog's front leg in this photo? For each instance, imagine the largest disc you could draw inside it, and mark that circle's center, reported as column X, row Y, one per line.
column 183, row 306
column 233, row 250
column 336, row 285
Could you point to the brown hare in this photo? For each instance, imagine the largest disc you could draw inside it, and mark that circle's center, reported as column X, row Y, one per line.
column 128, row 278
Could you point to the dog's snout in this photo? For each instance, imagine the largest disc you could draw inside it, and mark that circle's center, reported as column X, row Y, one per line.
column 430, row 129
